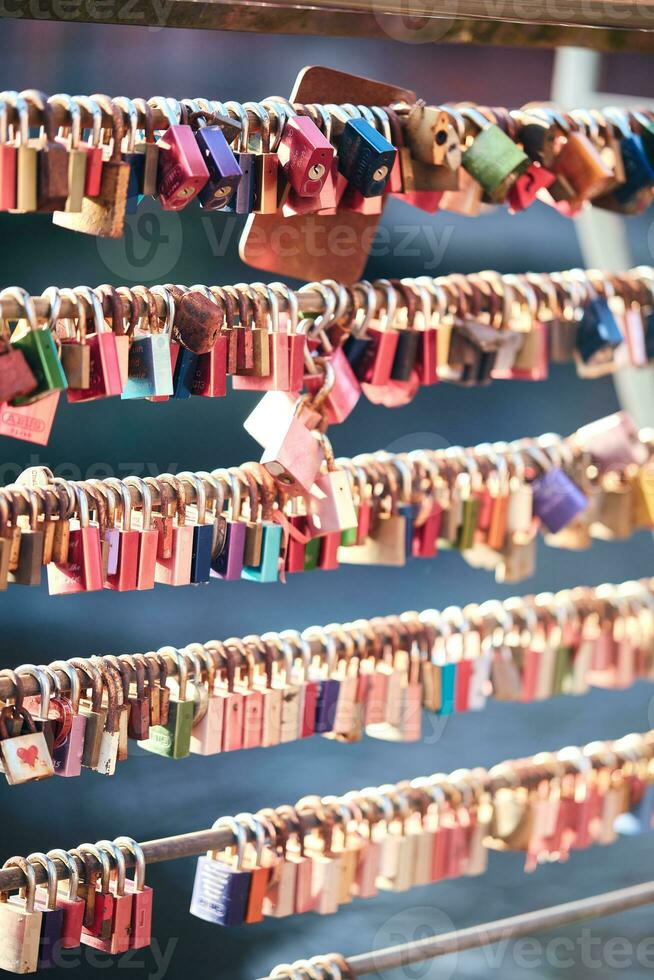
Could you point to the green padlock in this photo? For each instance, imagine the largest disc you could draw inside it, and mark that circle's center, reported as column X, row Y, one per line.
column 311, row 554
column 562, row 670
column 173, row 739
column 493, row 159
column 38, row 348
column 466, row 536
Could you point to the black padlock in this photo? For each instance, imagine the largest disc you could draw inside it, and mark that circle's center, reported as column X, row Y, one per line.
column 408, row 340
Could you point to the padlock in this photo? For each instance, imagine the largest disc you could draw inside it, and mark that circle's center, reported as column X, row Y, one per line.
column 52, row 170
column 20, row 921
column 229, row 545
column 557, row 500
column 110, row 737
column 52, row 915
column 148, row 535
column 121, row 923
column 104, row 214
column 267, row 567
column 134, row 158
column 173, row 739
column 242, row 202
column 8, row 153
column 77, row 157
column 203, row 530
column 82, row 570
column 211, row 370
column 598, row 333
column 26, row 757
column 140, row 930
column 198, row 321
column 221, row 887
column 149, row 371
column 579, row 164
column 336, row 389
column 493, row 159
column 69, row 902
column 32, row 539
column 148, row 149
column 182, row 172
column 271, row 354
column 92, row 147
column 428, row 130
column 224, row 172
column 105, row 378
column 98, row 916
column 38, row 347
column 268, row 174
column 365, row 157
column 174, row 558
column 124, row 578
column 67, row 755
column 305, row 155
column 331, row 504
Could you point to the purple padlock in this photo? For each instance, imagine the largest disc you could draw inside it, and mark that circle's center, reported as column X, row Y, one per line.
column 328, row 691
column 229, row 563
column 224, row 171
column 557, row 499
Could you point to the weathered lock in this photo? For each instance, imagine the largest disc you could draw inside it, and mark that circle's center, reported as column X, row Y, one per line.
column 52, row 170
column 493, row 159
column 428, row 131
column 30, row 556
column 39, row 349
column 173, row 739
column 25, row 757
column 365, row 157
column 104, row 214
column 221, row 887
column 267, row 168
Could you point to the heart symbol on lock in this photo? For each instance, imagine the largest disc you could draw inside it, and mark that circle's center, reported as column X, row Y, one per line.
column 29, row 755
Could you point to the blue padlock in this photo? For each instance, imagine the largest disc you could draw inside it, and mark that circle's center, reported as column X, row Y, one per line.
column 365, row 157
column 597, row 330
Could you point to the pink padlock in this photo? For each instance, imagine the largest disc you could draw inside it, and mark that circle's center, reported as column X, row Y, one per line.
column 182, row 172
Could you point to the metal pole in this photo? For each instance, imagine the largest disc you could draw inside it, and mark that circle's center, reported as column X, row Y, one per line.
column 597, row 906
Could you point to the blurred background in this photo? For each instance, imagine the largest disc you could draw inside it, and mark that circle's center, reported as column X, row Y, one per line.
column 152, row 797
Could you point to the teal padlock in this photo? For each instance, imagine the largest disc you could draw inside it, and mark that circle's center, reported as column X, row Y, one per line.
column 493, row 159
column 173, row 739
column 39, row 349
column 271, row 545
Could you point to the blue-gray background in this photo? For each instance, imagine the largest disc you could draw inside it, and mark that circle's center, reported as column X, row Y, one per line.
column 151, row 797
